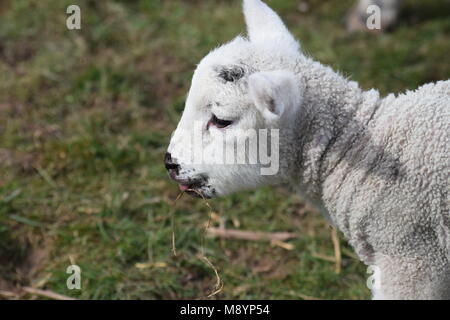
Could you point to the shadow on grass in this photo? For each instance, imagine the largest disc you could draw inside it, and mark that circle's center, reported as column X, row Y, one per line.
column 13, row 258
column 413, row 12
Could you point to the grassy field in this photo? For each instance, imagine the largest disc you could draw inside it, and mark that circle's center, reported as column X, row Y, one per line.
column 85, row 119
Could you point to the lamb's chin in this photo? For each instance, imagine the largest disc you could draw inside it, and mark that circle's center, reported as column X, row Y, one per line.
column 200, row 193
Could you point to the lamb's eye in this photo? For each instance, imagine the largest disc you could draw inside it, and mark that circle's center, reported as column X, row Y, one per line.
column 219, row 123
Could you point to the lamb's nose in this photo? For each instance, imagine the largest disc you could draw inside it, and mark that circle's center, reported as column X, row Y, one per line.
column 170, row 165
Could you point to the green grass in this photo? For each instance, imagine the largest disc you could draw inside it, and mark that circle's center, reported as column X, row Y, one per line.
column 85, row 118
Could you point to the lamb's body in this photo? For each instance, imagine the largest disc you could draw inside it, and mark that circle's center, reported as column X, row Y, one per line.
column 378, row 168
column 394, row 175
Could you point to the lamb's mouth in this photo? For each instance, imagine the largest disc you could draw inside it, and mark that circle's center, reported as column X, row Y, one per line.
column 193, row 188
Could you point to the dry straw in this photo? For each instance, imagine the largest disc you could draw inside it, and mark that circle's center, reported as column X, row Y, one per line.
column 219, row 283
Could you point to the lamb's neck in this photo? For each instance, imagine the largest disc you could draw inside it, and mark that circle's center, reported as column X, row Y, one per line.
column 332, row 109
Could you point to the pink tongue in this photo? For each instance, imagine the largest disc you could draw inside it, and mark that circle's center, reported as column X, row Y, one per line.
column 183, row 187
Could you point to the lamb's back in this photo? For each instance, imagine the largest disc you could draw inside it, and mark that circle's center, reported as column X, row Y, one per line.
column 394, row 190
column 413, row 132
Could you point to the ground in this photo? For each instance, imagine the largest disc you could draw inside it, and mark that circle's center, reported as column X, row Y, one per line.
column 85, row 119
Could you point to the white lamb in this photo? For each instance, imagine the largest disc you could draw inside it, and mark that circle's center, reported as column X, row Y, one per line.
column 378, row 168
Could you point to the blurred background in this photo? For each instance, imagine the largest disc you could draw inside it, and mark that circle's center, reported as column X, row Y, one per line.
column 85, row 119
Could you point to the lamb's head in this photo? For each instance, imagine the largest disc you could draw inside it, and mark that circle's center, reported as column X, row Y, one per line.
column 244, row 98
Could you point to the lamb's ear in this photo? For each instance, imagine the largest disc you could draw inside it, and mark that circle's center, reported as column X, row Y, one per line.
column 265, row 26
column 276, row 93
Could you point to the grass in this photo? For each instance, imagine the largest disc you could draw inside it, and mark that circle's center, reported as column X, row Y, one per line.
column 85, row 118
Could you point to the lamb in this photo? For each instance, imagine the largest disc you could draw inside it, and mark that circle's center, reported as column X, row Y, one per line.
column 359, row 14
column 377, row 168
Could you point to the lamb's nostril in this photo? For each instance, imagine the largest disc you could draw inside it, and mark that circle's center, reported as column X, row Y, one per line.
column 167, row 158
column 172, row 166
column 168, row 162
